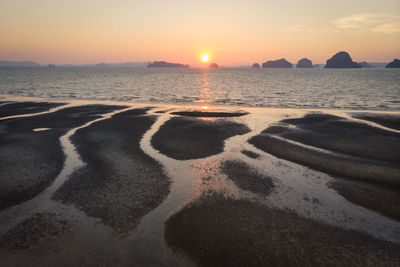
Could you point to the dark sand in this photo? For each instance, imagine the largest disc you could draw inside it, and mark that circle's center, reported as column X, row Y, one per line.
column 120, row 183
column 352, row 168
column 209, row 114
column 187, row 138
column 215, row 231
column 250, row 154
column 26, row 108
column 387, row 120
column 247, row 178
column 41, row 232
column 341, row 135
column 381, row 199
column 30, row 161
column 373, row 184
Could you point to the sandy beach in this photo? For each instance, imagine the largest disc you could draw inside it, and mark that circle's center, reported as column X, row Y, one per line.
column 133, row 184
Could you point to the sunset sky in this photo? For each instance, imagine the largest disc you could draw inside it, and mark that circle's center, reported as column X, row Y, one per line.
column 234, row 32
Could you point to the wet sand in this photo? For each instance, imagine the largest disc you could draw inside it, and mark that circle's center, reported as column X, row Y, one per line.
column 218, row 231
column 30, row 160
column 341, row 135
column 122, row 184
column 382, row 199
column 36, row 233
column 10, row 109
column 388, row 120
column 337, row 164
column 205, row 114
column 247, row 178
column 371, row 179
column 250, row 154
column 184, row 138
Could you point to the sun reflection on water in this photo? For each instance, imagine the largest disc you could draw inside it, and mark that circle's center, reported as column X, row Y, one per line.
column 204, row 108
column 205, row 91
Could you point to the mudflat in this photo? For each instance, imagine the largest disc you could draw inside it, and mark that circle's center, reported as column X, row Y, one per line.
column 247, row 178
column 133, row 185
column 387, row 120
column 119, row 183
column 187, row 138
column 10, row 109
column 218, row 231
column 30, row 159
column 366, row 164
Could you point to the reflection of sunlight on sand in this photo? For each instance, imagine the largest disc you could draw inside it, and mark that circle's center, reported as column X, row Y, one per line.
column 208, row 178
column 298, row 189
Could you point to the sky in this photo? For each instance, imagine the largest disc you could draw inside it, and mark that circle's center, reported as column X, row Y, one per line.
column 233, row 33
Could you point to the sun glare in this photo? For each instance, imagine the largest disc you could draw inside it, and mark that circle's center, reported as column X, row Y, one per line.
column 205, row 58
column 204, row 108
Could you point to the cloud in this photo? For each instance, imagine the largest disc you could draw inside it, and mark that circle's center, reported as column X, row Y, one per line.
column 368, row 22
column 363, row 23
column 387, row 28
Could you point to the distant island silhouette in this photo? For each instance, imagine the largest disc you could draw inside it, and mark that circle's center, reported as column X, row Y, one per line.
column 341, row 60
column 280, row 63
column 164, row 64
column 213, row 66
column 365, row 65
column 4, row 63
column 394, row 64
column 304, row 63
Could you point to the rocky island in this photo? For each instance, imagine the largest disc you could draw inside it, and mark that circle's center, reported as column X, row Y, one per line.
column 304, row 63
column 280, row 63
column 213, row 66
column 394, row 64
column 341, row 60
column 365, row 65
column 256, row 66
column 164, row 64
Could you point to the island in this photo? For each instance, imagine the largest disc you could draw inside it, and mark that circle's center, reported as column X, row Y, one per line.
column 280, row 63
column 213, row 66
column 164, row 64
column 256, row 66
column 304, row 63
column 394, row 64
column 4, row 63
column 101, row 65
column 341, row 60
column 365, row 65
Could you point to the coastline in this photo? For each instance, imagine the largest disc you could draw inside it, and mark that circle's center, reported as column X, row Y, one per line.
column 196, row 107
column 305, row 193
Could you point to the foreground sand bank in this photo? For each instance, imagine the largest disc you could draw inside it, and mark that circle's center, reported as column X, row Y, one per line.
column 134, row 184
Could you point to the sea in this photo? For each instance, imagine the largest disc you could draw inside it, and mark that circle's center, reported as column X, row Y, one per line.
column 359, row 89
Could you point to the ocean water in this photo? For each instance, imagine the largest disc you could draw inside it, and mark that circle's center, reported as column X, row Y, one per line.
column 371, row 89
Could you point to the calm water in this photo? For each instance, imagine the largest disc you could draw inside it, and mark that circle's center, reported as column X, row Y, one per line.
column 294, row 88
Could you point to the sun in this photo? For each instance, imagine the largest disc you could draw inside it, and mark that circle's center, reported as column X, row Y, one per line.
column 205, row 58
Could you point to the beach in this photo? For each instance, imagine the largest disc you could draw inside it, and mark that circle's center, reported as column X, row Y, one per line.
column 85, row 182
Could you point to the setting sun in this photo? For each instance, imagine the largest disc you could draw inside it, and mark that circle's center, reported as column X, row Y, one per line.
column 205, row 58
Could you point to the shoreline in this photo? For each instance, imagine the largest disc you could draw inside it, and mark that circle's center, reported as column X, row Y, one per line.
column 188, row 106
column 112, row 142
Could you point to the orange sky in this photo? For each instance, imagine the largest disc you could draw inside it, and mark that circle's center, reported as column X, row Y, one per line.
column 233, row 32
